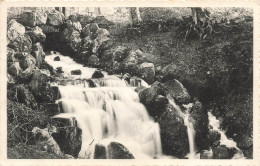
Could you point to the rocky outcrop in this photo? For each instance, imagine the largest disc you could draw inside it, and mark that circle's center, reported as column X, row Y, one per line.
column 222, row 152
column 21, row 43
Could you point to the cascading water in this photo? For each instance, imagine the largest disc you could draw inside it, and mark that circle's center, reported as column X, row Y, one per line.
column 190, row 128
column 109, row 112
column 215, row 125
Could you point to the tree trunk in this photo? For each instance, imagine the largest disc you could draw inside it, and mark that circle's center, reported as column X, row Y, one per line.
column 135, row 15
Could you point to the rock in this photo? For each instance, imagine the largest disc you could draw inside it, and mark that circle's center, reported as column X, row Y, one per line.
column 10, row 80
column 59, row 70
column 129, row 64
column 178, row 91
column 222, row 152
column 74, row 17
column 21, row 43
column 75, row 41
column 148, row 95
column 147, row 72
column 76, row 72
column 102, row 22
column 90, row 30
column 214, row 138
column 21, row 94
column 36, row 34
column 44, row 138
column 126, row 77
column 145, row 57
column 93, row 61
column 118, row 151
column 77, row 26
column 11, row 56
column 174, row 136
column 201, row 123
column 52, row 109
column 32, row 18
column 102, row 39
column 57, row 58
column 55, row 18
column 69, row 139
column 14, row 69
column 28, row 62
column 40, row 87
column 97, row 74
column 139, row 89
column 121, row 53
column 84, row 19
column 14, row 30
column 100, row 152
column 87, row 45
column 38, row 54
column 206, row 154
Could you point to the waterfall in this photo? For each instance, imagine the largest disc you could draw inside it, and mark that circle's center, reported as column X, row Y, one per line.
column 189, row 125
column 110, row 111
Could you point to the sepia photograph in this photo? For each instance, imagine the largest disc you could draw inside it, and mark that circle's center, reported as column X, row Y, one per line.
column 129, row 82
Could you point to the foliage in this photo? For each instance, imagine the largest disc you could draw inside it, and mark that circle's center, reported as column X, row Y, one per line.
column 21, row 121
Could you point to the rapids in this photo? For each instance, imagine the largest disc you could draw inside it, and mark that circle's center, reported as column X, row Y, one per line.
column 109, row 112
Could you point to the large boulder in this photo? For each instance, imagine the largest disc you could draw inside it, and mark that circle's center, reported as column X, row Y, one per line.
column 21, row 43
column 174, row 136
column 129, row 64
column 178, row 91
column 43, row 138
column 55, row 18
column 102, row 22
column 36, row 34
column 121, row 53
column 74, row 25
column 147, row 72
column 14, row 29
column 154, row 99
column 118, row 151
column 84, row 19
column 75, row 41
column 100, row 152
column 93, row 61
column 102, row 38
column 32, row 18
column 28, row 62
column 90, row 30
column 97, row 74
column 40, row 87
